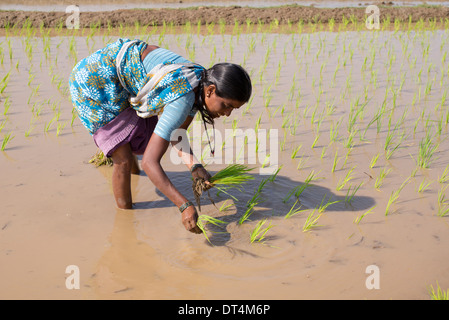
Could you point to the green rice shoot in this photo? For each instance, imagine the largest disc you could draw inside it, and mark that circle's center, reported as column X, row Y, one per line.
column 438, row 294
column 258, row 233
column 204, row 220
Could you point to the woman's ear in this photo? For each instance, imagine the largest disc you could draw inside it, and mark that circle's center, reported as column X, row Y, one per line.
column 210, row 90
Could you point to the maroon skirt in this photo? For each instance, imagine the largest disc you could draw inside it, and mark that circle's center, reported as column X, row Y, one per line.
column 127, row 127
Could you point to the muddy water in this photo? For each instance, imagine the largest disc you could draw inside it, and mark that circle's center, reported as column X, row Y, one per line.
column 58, row 210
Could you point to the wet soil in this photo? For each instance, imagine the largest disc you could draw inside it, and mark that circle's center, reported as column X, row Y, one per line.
column 228, row 15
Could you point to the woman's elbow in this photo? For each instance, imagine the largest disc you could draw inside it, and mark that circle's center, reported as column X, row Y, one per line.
column 148, row 165
column 153, row 154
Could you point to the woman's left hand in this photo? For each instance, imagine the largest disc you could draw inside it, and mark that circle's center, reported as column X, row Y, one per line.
column 202, row 173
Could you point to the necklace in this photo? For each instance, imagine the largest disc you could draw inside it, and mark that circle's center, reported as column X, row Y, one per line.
column 212, row 150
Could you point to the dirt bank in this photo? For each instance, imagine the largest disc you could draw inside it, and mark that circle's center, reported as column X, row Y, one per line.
column 229, row 15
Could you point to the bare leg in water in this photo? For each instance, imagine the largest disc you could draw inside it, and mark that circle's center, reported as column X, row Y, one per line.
column 125, row 164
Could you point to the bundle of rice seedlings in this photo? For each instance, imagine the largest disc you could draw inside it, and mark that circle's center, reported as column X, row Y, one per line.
column 204, row 220
column 99, row 159
column 233, row 176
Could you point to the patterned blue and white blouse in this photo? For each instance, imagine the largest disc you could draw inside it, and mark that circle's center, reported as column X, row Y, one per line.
column 99, row 92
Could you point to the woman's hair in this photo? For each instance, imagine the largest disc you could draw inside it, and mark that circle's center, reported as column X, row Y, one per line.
column 231, row 82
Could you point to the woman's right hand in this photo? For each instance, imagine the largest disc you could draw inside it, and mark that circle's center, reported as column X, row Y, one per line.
column 190, row 218
column 201, row 173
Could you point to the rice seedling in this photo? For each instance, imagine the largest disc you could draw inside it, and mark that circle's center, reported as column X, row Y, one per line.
column 204, row 220
column 444, row 176
column 266, row 161
column 48, row 125
column 414, row 171
column 443, row 205
column 225, row 207
column 30, row 129
column 274, row 175
column 342, row 182
column 311, row 221
column 335, row 162
column 389, row 152
column 424, row 185
column 2, row 125
column 348, row 153
column 380, row 179
column 297, row 191
column 37, row 111
column 254, row 201
column 312, row 177
column 295, row 151
column 375, row 118
column 6, row 140
column 358, row 219
column 294, row 211
column 324, row 205
column 350, row 195
column 388, row 139
column 6, row 106
column 315, row 141
column 258, row 233
column 302, row 162
column 261, row 185
column 442, row 101
column 323, row 153
column 333, row 133
column 59, row 128
column 4, row 82
column 349, row 141
column 374, row 160
column 395, row 196
column 426, row 151
column 438, row 294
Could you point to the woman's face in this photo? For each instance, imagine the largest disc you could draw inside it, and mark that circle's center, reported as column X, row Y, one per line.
column 218, row 106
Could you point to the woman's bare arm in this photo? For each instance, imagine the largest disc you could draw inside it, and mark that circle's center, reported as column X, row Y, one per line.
column 186, row 154
column 183, row 146
column 156, row 148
